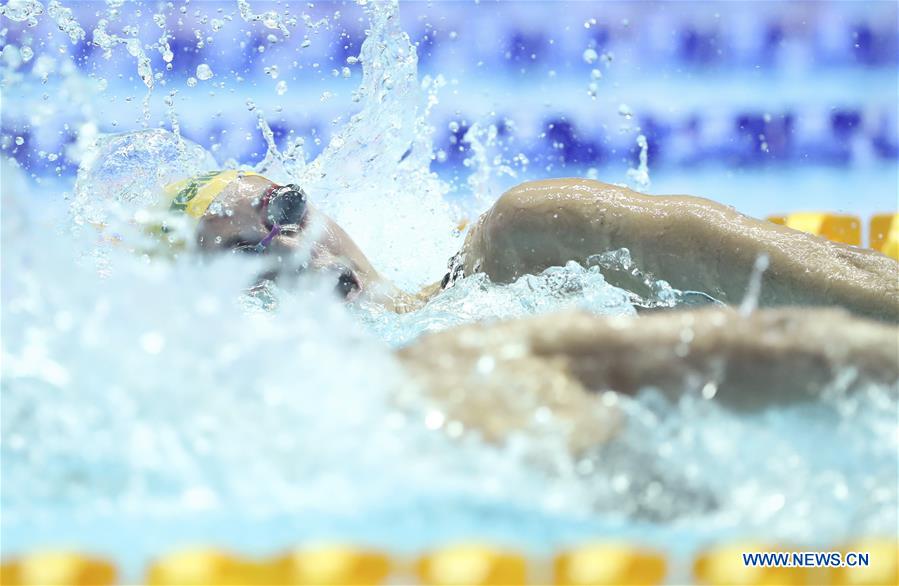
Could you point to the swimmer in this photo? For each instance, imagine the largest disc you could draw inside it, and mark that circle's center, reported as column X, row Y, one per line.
column 493, row 377
column 693, row 243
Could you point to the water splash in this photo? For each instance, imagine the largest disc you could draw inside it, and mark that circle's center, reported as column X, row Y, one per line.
column 65, row 21
column 106, row 41
column 124, row 174
column 26, row 11
column 643, row 288
column 485, row 164
column 271, row 19
column 411, row 223
column 109, row 405
column 640, row 175
column 754, row 289
column 475, row 298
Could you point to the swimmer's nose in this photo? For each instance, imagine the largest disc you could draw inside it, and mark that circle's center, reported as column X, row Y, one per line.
column 287, row 206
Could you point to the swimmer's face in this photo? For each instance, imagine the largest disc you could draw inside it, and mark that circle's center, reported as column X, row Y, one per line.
column 252, row 216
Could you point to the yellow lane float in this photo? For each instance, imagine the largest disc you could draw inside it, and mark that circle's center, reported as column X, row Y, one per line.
column 724, row 565
column 872, row 561
column 609, row 563
column 471, row 565
column 58, row 568
column 884, row 234
column 330, row 565
column 882, row 564
column 836, row 227
column 203, row 566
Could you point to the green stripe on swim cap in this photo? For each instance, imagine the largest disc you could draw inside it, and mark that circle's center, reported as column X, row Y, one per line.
column 194, row 196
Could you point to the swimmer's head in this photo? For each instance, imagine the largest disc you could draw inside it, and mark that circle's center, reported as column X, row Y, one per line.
column 255, row 216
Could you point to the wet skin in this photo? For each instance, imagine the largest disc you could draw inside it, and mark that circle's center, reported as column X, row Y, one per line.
column 566, row 362
column 691, row 242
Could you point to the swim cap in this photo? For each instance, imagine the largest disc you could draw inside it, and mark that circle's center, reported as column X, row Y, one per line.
column 170, row 222
column 194, row 195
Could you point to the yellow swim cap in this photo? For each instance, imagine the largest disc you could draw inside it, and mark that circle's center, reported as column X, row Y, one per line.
column 194, row 195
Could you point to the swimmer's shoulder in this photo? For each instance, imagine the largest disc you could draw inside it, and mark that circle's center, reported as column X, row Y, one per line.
column 538, row 193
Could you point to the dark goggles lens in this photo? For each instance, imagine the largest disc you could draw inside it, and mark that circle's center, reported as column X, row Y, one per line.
column 287, row 205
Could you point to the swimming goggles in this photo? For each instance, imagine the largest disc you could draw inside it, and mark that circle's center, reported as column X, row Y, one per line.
column 282, row 205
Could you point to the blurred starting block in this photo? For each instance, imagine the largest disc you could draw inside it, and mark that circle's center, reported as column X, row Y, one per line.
column 836, row 227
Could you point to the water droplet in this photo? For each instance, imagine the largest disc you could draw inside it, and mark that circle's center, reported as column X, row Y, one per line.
column 590, row 56
column 26, row 53
column 152, row 342
column 191, row 81
column 281, row 87
column 204, row 72
column 485, row 364
column 434, row 419
column 20, row 141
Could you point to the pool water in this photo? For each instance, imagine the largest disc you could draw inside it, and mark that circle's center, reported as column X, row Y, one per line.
column 150, row 404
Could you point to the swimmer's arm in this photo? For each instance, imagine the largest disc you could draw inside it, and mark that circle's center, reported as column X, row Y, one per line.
column 693, row 243
column 558, row 361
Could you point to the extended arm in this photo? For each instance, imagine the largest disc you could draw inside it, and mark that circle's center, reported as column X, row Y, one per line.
column 495, row 377
column 693, row 243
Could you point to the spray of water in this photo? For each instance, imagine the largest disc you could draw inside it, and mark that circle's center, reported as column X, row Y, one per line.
column 159, row 389
column 751, row 300
column 640, row 175
column 401, row 215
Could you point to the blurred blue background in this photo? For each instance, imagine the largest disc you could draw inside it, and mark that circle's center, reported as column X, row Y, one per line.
column 768, row 106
